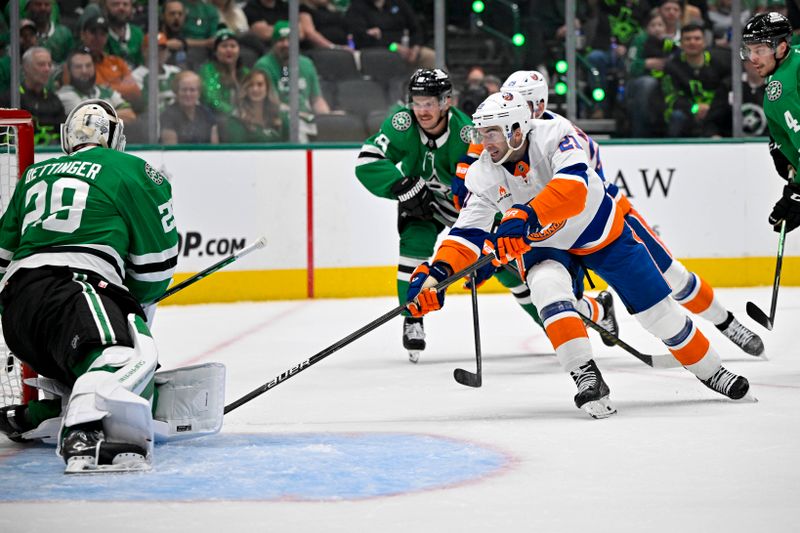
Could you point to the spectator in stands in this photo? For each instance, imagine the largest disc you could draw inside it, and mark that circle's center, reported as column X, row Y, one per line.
column 82, row 86
column 173, row 18
column 187, row 121
column 231, row 16
column 257, row 116
column 671, row 12
column 125, row 39
column 754, row 120
column 474, row 91
column 36, row 98
column 719, row 14
column 222, row 76
column 27, row 39
column 276, row 65
column 327, row 20
column 492, row 83
column 263, row 14
column 549, row 18
column 648, row 52
column 202, row 22
column 166, row 96
column 55, row 37
column 691, row 81
column 110, row 70
column 381, row 23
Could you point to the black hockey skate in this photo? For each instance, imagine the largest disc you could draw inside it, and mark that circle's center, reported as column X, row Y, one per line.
column 85, row 450
column 413, row 337
column 14, row 422
column 609, row 322
column 593, row 392
column 728, row 384
column 741, row 336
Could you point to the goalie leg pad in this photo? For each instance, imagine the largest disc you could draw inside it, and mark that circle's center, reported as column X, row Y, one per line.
column 190, row 402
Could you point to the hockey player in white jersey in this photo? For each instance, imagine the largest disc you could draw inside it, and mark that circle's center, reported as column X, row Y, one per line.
column 688, row 289
column 555, row 210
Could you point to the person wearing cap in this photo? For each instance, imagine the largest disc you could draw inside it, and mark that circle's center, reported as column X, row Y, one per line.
column 27, row 39
column 166, row 72
column 125, row 39
column 36, row 96
column 110, row 70
column 55, row 37
column 276, row 65
column 222, row 75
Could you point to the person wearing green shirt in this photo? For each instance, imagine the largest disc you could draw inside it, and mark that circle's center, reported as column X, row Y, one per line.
column 124, row 39
column 276, row 65
column 222, row 76
column 766, row 43
column 55, row 37
column 412, row 160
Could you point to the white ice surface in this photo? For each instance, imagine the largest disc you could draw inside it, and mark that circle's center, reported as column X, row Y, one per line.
column 676, row 458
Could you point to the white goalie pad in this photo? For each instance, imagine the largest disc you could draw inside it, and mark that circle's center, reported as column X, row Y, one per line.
column 190, row 402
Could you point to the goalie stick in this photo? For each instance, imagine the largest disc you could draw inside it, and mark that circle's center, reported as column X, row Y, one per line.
column 752, row 309
column 338, row 345
column 260, row 243
column 466, row 377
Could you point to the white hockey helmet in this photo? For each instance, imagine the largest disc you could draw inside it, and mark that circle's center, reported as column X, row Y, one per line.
column 92, row 121
column 531, row 84
column 506, row 110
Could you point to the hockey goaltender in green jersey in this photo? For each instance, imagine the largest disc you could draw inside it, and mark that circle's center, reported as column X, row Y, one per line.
column 87, row 244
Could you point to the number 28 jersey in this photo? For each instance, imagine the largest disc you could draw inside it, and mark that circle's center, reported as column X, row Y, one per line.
column 98, row 210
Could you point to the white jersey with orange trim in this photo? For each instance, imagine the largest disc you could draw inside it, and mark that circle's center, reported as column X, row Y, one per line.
column 590, row 147
column 569, row 198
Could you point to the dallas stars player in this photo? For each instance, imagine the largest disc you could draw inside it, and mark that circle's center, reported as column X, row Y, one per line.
column 766, row 43
column 412, row 160
column 88, row 240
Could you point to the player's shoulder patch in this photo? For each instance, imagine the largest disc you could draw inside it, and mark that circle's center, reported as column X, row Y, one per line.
column 774, row 90
column 401, row 120
column 465, row 134
column 153, row 174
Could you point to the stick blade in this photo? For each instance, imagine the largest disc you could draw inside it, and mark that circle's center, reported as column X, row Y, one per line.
column 467, row 378
column 754, row 312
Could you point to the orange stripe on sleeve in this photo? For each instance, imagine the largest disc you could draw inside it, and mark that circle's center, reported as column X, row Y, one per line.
column 564, row 330
column 461, row 169
column 623, row 204
column 455, row 254
column 616, row 230
column 475, row 150
column 695, row 350
column 561, row 199
column 702, row 300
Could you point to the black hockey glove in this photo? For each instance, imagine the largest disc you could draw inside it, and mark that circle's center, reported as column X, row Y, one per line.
column 415, row 197
column 782, row 165
column 787, row 208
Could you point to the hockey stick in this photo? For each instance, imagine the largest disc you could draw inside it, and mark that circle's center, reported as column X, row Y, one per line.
column 314, row 359
column 463, row 376
column 260, row 243
column 655, row 361
column 752, row 309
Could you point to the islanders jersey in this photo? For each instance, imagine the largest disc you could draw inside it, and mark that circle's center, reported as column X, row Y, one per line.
column 555, row 178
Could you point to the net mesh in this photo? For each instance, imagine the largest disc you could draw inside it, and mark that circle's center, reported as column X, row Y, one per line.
column 12, row 390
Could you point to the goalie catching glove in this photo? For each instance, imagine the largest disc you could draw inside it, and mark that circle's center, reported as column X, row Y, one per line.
column 511, row 240
column 421, row 295
column 787, row 208
column 415, row 197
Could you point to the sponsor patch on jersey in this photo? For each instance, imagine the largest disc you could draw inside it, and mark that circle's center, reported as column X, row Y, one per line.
column 774, row 90
column 465, row 134
column 502, row 193
column 401, row 121
column 153, row 174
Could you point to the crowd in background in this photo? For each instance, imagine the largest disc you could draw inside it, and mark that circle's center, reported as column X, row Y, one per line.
column 664, row 65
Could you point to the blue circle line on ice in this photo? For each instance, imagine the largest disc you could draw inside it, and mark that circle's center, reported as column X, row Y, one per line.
column 264, row 467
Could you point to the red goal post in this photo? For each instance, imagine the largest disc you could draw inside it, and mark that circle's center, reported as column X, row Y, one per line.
column 16, row 154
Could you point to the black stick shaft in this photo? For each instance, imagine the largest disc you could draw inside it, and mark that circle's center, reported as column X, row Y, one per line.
column 476, row 324
column 314, row 359
column 777, row 282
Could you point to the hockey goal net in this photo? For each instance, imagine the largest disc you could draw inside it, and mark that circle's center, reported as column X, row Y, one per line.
column 16, row 153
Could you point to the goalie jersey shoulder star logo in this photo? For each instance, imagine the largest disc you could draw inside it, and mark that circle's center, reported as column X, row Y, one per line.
column 774, row 90
column 153, row 174
column 401, row 121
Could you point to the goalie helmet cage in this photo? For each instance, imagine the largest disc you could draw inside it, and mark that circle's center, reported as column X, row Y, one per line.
column 16, row 153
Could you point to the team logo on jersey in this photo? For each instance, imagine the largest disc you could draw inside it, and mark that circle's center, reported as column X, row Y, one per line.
column 465, row 133
column 774, row 90
column 153, row 174
column 522, row 169
column 401, row 121
column 547, row 232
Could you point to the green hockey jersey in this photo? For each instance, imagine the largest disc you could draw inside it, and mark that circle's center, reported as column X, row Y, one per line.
column 97, row 210
column 782, row 107
column 401, row 148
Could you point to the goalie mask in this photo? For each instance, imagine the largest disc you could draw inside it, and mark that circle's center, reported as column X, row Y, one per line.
column 92, row 122
column 532, row 85
column 507, row 110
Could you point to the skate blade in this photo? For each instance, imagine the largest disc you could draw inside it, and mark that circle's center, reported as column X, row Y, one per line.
column 601, row 408
column 86, row 465
column 747, row 398
column 413, row 355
